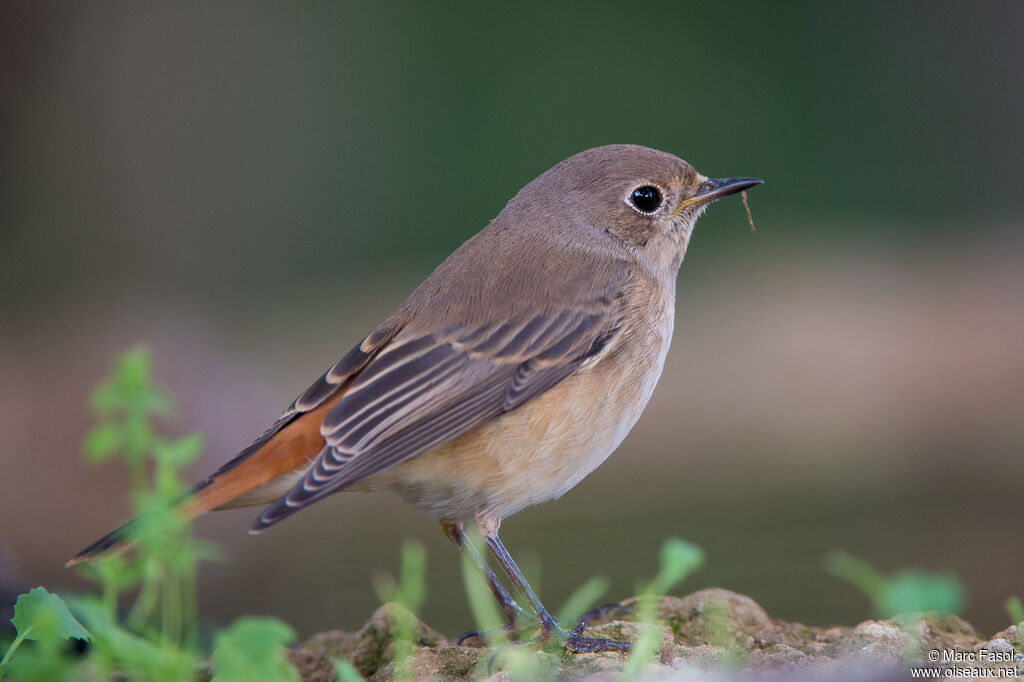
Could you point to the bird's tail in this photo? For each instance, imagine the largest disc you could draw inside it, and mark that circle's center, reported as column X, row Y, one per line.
column 189, row 505
column 258, row 475
column 110, row 543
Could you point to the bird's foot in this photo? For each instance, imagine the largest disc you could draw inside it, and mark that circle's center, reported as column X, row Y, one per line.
column 578, row 644
column 549, row 633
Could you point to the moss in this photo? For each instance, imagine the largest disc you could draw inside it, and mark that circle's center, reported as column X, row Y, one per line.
column 457, row 662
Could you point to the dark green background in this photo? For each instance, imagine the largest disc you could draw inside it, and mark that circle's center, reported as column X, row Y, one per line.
column 184, row 142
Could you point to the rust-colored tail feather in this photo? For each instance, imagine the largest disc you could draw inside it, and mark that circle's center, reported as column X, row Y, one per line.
column 290, row 445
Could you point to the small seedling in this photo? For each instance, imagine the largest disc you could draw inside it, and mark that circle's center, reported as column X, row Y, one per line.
column 583, row 599
column 906, row 591
column 679, row 559
column 1015, row 610
column 408, row 594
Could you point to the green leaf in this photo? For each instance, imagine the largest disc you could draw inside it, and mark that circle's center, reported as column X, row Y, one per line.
column 913, row 591
column 252, row 649
column 178, row 453
column 115, row 648
column 102, row 442
column 583, row 599
column 859, row 573
column 346, row 672
column 412, row 578
column 40, row 606
column 679, row 559
column 908, row 591
column 485, row 611
column 1015, row 609
column 133, row 368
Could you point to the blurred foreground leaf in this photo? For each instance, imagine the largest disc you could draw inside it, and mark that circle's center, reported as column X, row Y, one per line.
column 1015, row 610
column 117, row 649
column 679, row 559
column 44, row 617
column 252, row 649
column 41, row 607
column 583, row 599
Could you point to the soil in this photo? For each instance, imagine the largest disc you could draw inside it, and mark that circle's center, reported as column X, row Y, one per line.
column 713, row 634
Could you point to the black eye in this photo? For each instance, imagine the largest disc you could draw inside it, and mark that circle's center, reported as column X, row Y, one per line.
column 646, row 199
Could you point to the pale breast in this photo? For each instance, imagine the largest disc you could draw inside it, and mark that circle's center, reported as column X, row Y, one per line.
column 539, row 451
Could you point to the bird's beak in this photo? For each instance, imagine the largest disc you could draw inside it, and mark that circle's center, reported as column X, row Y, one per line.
column 716, row 188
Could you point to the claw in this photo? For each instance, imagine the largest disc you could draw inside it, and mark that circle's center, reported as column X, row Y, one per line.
column 575, row 642
column 578, row 644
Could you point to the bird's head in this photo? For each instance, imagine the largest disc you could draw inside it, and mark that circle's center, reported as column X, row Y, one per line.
column 646, row 198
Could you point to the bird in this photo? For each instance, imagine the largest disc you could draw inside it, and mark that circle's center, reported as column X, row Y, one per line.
column 513, row 371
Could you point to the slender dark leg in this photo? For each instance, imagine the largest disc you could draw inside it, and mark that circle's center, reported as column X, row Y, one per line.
column 574, row 641
column 547, row 623
column 508, row 605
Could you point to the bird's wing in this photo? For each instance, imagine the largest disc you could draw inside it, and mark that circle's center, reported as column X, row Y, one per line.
column 423, row 390
column 341, row 372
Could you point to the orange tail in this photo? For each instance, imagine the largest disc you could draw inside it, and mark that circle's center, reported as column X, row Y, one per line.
column 258, row 475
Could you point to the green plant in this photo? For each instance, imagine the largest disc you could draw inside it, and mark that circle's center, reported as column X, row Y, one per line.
column 252, row 649
column 164, row 564
column 116, row 649
column 157, row 639
column 44, row 618
column 583, row 599
column 679, row 559
column 408, row 593
column 346, row 672
column 1015, row 610
column 906, row 591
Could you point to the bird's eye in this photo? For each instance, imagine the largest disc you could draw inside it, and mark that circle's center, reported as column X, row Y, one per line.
column 645, row 199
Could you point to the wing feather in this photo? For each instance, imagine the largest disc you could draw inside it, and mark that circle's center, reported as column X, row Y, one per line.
column 423, row 391
column 321, row 389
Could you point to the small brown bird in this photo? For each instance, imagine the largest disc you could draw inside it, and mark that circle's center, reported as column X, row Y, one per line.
column 510, row 374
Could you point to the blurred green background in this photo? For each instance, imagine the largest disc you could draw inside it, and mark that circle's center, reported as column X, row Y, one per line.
column 250, row 186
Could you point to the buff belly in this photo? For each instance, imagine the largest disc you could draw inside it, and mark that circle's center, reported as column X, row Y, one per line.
column 541, row 450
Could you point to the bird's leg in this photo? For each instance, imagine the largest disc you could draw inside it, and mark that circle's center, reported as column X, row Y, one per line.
column 508, row 605
column 574, row 641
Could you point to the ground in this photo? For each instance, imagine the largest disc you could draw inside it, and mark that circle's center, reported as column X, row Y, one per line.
column 714, row 631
